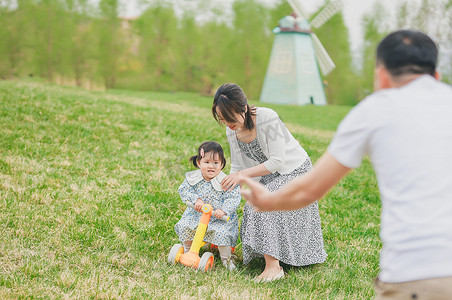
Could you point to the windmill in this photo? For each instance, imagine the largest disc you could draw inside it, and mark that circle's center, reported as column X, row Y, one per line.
column 293, row 75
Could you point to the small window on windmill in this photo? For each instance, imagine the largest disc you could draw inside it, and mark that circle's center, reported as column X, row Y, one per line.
column 283, row 62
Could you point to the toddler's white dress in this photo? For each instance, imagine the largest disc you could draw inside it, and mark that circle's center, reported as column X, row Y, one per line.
column 219, row 233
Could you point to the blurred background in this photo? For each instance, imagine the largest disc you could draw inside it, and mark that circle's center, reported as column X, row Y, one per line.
column 196, row 45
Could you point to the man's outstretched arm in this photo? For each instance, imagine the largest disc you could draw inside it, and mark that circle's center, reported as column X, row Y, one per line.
column 301, row 191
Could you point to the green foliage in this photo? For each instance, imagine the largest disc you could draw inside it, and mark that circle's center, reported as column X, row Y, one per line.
column 252, row 45
column 216, row 55
column 50, row 39
column 78, row 42
column 341, row 82
column 88, row 199
column 161, row 50
column 189, row 55
column 374, row 31
column 282, row 8
column 110, row 44
column 75, row 42
column 431, row 17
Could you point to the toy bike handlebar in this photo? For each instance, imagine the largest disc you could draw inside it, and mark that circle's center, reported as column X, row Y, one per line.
column 206, row 210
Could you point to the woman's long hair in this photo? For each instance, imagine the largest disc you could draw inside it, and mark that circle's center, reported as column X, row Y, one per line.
column 230, row 100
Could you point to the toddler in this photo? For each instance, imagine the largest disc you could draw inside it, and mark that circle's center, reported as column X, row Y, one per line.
column 204, row 186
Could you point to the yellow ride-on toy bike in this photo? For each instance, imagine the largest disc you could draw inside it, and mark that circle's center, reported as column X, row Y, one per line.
column 191, row 258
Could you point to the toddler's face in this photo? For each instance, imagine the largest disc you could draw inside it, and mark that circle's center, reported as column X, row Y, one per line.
column 210, row 165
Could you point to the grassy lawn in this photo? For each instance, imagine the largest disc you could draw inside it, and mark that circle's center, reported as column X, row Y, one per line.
column 88, row 199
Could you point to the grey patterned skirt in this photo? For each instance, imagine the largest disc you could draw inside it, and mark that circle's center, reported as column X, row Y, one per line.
column 293, row 237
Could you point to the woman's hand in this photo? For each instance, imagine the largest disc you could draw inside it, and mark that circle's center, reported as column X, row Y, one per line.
column 230, row 181
column 219, row 213
column 198, row 204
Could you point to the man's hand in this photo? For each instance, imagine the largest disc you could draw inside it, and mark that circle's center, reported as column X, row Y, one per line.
column 257, row 195
column 301, row 191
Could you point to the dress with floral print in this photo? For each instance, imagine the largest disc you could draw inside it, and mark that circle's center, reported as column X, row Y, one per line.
column 218, row 232
column 293, row 237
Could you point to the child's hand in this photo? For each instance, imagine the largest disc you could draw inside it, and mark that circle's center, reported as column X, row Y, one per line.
column 198, row 204
column 219, row 213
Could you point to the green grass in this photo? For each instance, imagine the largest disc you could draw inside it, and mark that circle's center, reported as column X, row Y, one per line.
column 88, row 199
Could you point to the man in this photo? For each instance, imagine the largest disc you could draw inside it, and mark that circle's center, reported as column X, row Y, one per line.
column 405, row 127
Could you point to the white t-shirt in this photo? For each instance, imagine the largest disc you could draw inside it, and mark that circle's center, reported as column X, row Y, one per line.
column 407, row 133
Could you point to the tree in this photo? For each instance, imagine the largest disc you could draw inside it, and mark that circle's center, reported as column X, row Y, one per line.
column 157, row 29
column 13, row 34
column 341, row 85
column 110, row 38
column 80, row 46
column 49, row 37
column 252, row 45
column 217, row 58
column 374, row 31
column 188, row 54
column 435, row 19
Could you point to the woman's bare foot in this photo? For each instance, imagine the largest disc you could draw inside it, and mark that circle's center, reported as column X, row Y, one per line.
column 272, row 271
column 269, row 272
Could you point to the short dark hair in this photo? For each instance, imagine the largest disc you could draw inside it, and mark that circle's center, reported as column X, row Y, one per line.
column 207, row 147
column 408, row 52
column 230, row 99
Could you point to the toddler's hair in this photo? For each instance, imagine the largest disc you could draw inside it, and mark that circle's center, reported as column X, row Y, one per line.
column 205, row 148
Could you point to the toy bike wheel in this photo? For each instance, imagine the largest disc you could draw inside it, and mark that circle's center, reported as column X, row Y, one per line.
column 175, row 252
column 206, row 262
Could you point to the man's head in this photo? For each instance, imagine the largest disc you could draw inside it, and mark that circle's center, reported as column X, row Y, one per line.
column 406, row 54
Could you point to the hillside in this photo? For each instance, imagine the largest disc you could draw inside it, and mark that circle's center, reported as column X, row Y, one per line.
column 88, row 199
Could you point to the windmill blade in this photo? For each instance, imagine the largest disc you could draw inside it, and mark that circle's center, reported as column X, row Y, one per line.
column 327, row 12
column 298, row 9
column 326, row 64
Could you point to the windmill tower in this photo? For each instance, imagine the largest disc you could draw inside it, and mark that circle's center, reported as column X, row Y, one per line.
column 293, row 75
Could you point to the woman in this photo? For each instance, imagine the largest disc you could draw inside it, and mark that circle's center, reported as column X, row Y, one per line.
column 263, row 148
